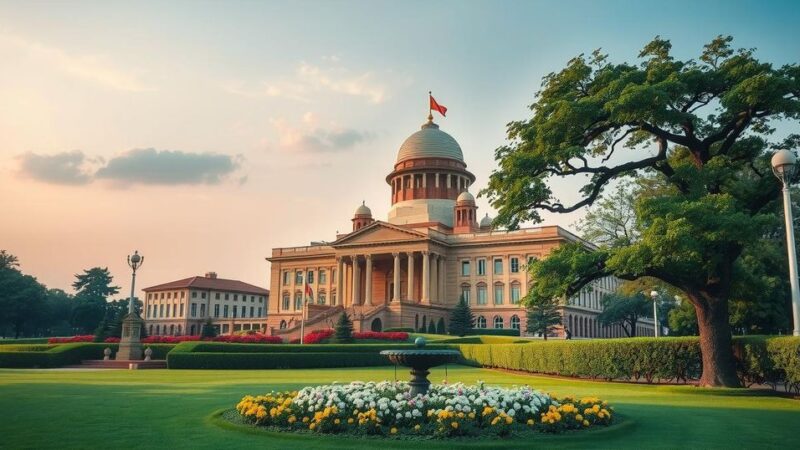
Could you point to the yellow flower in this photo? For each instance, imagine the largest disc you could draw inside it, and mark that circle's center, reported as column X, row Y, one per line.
column 393, row 430
column 305, row 419
column 579, row 417
column 530, row 421
column 350, row 420
column 509, row 420
column 416, row 427
column 454, row 425
column 472, row 415
column 312, row 426
column 586, row 423
column 337, row 421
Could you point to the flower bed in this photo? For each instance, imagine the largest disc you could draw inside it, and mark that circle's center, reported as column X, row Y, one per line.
column 237, row 339
column 387, row 408
column 319, row 336
column 69, row 340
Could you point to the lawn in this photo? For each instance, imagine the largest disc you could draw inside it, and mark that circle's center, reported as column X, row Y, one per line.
column 172, row 408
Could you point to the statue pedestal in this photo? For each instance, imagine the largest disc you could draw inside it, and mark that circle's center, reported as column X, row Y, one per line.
column 130, row 346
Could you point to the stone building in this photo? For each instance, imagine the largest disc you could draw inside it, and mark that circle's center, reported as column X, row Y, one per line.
column 412, row 269
column 182, row 307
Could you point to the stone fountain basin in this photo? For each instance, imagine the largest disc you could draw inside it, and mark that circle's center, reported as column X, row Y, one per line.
column 421, row 359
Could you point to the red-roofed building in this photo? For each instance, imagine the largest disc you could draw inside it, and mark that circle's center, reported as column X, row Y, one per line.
column 183, row 306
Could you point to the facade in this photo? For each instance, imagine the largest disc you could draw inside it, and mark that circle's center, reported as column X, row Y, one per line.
column 182, row 307
column 412, row 269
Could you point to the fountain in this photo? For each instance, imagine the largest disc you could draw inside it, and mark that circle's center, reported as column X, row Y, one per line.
column 420, row 360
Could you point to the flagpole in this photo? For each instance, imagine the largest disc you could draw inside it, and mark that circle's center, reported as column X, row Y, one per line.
column 430, row 110
column 303, row 315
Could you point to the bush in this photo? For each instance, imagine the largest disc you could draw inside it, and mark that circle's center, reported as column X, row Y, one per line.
column 68, row 340
column 769, row 360
column 316, row 337
column 400, row 329
column 381, row 335
column 494, row 331
column 67, row 355
column 23, row 341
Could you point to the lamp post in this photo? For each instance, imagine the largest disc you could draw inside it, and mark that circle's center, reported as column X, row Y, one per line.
column 783, row 166
column 130, row 346
column 656, row 326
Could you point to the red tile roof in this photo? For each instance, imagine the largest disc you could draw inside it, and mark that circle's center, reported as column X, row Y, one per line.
column 217, row 284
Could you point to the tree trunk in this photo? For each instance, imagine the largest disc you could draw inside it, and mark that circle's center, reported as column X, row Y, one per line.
column 719, row 366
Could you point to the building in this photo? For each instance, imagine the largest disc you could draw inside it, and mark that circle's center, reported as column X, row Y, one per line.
column 183, row 306
column 412, row 269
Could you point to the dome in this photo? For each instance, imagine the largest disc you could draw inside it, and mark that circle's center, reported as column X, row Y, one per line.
column 486, row 222
column 465, row 197
column 430, row 142
column 363, row 210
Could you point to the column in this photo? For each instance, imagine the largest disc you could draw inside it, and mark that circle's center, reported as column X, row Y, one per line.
column 411, row 276
column 356, row 281
column 434, row 278
column 396, row 291
column 441, row 274
column 426, row 277
column 368, row 281
column 339, row 275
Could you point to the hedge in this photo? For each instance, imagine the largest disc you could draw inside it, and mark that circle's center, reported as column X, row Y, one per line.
column 23, row 341
column 402, row 329
column 68, row 354
column 494, row 331
column 213, row 355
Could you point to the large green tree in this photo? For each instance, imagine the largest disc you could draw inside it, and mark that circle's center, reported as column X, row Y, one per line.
column 22, row 298
column 93, row 287
column 462, row 321
column 702, row 127
column 542, row 317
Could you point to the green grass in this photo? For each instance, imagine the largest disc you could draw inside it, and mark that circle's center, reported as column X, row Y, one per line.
column 173, row 408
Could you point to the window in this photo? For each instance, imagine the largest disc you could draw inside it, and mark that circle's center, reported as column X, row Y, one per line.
column 285, row 277
column 321, row 298
column 498, row 266
column 216, row 311
column 260, row 299
column 498, row 322
column 194, row 294
column 283, row 325
column 236, row 297
column 181, row 315
column 244, row 311
column 514, row 265
column 202, row 310
column 515, row 292
column 285, row 304
column 481, row 267
column 498, row 294
column 235, row 310
column 298, row 277
column 149, row 296
column 162, row 296
column 202, row 295
column 227, row 296
column 174, row 310
column 515, row 322
column 169, row 295
column 464, row 268
column 465, row 291
column 333, row 298
column 252, row 299
column 323, row 277
column 259, row 311
column 298, row 301
column 225, row 327
column 310, row 277
column 252, row 310
column 225, row 311
column 482, row 300
column 183, row 294
column 481, row 322
column 216, row 295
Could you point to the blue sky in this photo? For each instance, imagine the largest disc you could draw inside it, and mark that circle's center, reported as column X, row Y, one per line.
column 302, row 104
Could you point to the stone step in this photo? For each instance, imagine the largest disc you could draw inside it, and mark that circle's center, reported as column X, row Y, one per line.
column 124, row 364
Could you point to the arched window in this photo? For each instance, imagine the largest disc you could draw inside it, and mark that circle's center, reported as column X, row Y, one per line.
column 151, row 329
column 298, row 301
column 465, row 291
column 515, row 322
column 416, row 321
column 498, row 293
column 424, row 327
column 172, row 329
column 480, row 322
column 498, row 322
column 283, row 325
column 179, row 330
column 285, row 305
column 191, row 333
column 515, row 293
column 482, row 297
column 321, row 297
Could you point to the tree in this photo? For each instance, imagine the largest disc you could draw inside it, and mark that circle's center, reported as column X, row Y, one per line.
column 7, row 260
column 344, row 330
column 703, row 128
column 542, row 317
column 22, row 298
column 95, row 283
column 625, row 311
column 683, row 320
column 461, row 319
column 208, row 330
column 612, row 221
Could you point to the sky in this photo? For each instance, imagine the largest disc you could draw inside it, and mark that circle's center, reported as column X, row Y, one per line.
column 204, row 134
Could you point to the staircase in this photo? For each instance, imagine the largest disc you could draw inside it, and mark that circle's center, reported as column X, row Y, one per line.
column 115, row 364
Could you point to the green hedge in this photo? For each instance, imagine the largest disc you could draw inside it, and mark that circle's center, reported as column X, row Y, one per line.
column 400, row 330
column 23, row 341
column 61, row 355
column 494, row 331
column 769, row 360
column 220, row 347
column 300, row 360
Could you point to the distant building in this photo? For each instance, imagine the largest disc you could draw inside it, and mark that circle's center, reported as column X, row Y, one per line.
column 182, row 307
column 411, row 270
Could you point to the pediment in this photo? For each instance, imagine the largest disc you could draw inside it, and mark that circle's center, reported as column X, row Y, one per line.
column 380, row 233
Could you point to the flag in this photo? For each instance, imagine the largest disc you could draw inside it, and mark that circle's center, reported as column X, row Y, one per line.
column 435, row 106
column 309, row 293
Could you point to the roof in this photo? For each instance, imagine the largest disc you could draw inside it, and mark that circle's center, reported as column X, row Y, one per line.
column 430, row 142
column 217, row 284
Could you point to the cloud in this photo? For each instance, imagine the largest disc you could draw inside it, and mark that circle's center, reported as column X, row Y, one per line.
column 317, row 139
column 62, row 168
column 140, row 166
column 309, row 80
column 151, row 166
column 93, row 68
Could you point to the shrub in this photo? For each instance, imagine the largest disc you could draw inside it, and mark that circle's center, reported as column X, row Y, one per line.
column 381, row 335
column 400, row 329
column 494, row 331
column 316, row 337
column 112, row 340
column 67, row 354
column 67, row 340
column 344, row 329
column 23, row 341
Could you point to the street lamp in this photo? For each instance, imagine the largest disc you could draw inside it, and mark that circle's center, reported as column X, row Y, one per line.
column 130, row 346
column 134, row 261
column 656, row 326
column 783, row 166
